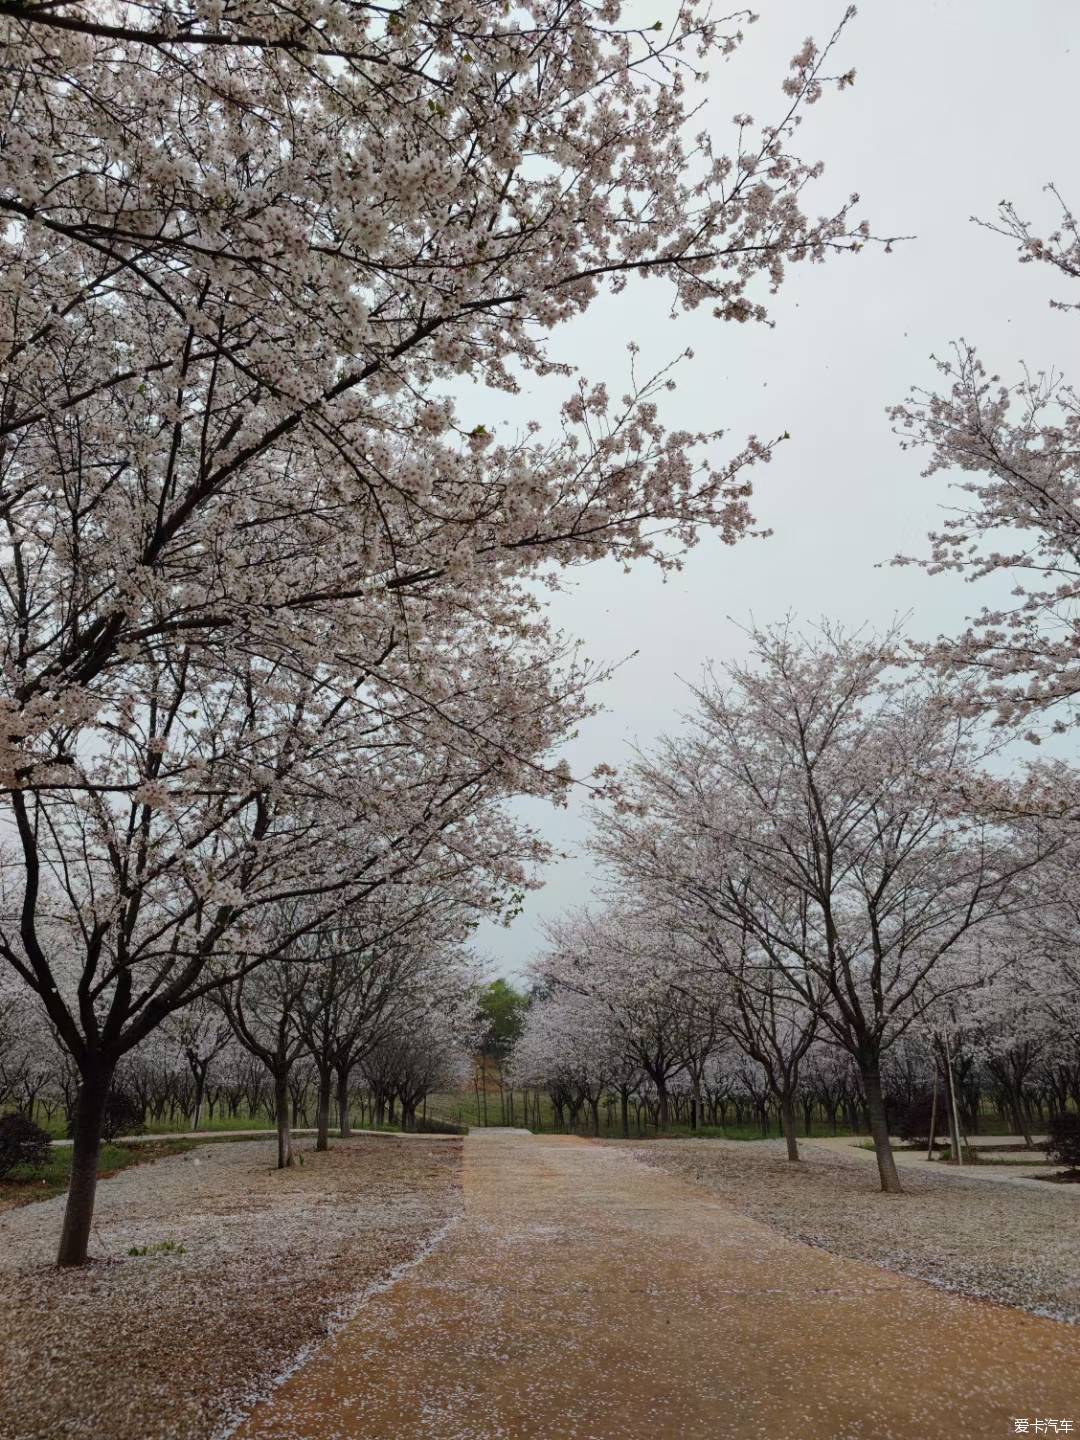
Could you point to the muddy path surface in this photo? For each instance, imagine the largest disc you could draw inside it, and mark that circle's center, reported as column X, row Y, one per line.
column 584, row 1296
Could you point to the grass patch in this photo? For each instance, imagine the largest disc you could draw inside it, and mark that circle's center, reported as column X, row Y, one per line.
column 57, row 1125
column 1032, row 1157
column 162, row 1247
column 940, row 1148
column 23, row 1186
column 978, row 1157
column 684, row 1132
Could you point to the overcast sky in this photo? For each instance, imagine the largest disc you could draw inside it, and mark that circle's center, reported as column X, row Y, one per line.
column 957, row 105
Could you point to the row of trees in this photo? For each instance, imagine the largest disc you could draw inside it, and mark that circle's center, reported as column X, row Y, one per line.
column 196, row 1069
column 829, row 860
column 823, row 857
column 1018, row 1067
column 271, row 644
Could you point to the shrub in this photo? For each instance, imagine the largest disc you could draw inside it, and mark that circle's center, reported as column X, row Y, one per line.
column 1063, row 1147
column 911, row 1120
column 122, row 1117
column 22, row 1143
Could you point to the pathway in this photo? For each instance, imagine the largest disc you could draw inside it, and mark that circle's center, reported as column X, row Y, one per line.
column 1015, row 1172
column 586, row 1297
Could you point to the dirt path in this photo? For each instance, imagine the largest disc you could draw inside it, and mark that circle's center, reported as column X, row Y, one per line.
column 586, row 1297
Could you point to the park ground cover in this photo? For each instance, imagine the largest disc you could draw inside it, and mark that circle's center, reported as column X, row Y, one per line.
column 1013, row 1243
column 212, row 1272
column 27, row 1185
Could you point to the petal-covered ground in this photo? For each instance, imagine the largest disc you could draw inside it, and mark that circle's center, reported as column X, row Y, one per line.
column 587, row 1296
column 171, row 1344
column 1016, row 1242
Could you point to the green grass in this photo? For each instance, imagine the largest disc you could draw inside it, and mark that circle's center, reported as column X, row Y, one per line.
column 22, row 1186
column 462, row 1109
column 221, row 1124
column 162, row 1247
column 229, row 1124
column 57, row 1126
column 974, row 1156
column 721, row 1132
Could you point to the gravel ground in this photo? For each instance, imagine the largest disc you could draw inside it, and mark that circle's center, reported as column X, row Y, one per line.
column 1000, row 1242
column 175, row 1346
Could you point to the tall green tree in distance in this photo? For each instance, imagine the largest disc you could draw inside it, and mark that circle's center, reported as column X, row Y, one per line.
column 502, row 1016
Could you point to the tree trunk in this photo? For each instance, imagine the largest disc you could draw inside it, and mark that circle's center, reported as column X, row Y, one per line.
column 281, row 1110
column 344, row 1121
column 85, row 1149
column 322, row 1141
column 1020, row 1120
column 624, row 1112
column 196, row 1114
column 663, row 1111
column 879, row 1130
column 787, row 1122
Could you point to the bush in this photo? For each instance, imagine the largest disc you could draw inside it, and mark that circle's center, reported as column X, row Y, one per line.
column 122, row 1117
column 22, row 1143
column 1063, row 1147
column 911, row 1120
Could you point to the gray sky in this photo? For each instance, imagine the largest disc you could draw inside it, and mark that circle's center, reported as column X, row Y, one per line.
column 957, row 105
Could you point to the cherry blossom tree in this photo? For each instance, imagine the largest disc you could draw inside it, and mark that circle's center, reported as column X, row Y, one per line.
column 768, row 1018
column 572, row 1047
column 138, row 889
column 201, row 1033
column 28, row 1053
column 634, row 971
column 427, row 1045
column 827, row 1078
column 1013, row 450
column 841, row 820
column 249, row 541
column 220, row 414
column 375, row 971
column 262, row 1007
column 9, row 1029
column 1032, row 1009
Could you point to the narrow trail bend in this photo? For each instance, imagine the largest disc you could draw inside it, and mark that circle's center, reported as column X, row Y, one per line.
column 584, row 1296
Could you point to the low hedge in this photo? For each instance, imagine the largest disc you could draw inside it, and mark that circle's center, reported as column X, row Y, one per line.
column 22, row 1143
